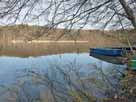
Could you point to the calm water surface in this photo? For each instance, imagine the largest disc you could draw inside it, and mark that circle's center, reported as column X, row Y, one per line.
column 32, row 75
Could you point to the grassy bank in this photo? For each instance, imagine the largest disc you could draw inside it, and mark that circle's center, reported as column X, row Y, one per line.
column 95, row 38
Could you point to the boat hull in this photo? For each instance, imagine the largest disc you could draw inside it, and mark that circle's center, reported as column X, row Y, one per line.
column 106, row 51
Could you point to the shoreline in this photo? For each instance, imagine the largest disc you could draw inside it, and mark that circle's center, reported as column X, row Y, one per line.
column 48, row 41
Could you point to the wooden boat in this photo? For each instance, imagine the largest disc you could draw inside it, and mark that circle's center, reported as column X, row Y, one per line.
column 111, row 55
column 115, row 55
column 106, row 51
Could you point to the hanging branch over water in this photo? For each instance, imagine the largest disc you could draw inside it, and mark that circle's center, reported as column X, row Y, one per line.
column 70, row 13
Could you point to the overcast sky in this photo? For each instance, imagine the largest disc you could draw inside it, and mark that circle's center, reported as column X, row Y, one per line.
column 48, row 15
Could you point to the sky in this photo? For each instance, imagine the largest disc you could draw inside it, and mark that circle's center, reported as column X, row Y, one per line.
column 47, row 18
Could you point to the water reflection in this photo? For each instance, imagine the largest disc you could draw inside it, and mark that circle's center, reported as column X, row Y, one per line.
column 56, row 77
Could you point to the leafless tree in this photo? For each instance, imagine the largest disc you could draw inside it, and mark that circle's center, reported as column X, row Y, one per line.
column 71, row 13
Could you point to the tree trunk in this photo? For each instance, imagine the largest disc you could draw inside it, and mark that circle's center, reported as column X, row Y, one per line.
column 129, row 12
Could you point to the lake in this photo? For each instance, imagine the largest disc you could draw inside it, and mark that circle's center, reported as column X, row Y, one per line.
column 56, row 77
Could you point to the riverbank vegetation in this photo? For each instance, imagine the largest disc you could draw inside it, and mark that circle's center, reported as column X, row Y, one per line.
column 27, row 34
column 127, row 90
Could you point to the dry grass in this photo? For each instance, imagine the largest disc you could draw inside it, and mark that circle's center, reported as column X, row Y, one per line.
column 95, row 38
